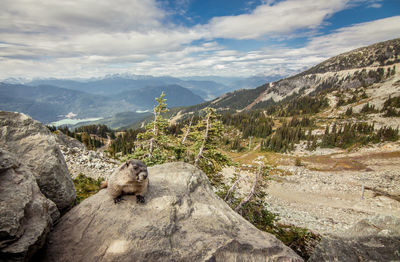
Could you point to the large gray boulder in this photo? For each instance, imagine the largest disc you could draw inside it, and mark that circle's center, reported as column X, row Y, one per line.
column 25, row 214
column 68, row 142
column 182, row 220
column 374, row 239
column 36, row 147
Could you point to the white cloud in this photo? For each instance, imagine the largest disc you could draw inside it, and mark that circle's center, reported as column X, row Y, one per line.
column 90, row 38
column 374, row 3
column 358, row 35
column 276, row 18
column 281, row 59
column 83, row 16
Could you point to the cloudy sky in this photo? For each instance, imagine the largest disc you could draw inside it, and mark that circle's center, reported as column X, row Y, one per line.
column 92, row 38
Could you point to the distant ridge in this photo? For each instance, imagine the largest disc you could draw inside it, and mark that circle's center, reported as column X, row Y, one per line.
column 50, row 103
column 331, row 73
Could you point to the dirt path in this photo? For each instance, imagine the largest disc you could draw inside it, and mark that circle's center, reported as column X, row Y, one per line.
column 106, row 145
column 252, row 151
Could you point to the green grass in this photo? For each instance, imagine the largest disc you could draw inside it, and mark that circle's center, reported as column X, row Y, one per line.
column 86, row 187
column 301, row 240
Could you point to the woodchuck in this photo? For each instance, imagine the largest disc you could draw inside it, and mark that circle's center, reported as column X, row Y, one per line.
column 130, row 178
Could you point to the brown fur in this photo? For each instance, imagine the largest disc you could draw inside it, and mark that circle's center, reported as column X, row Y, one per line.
column 130, row 178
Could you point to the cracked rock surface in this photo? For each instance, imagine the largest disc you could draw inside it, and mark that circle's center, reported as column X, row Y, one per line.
column 34, row 146
column 182, row 220
column 25, row 214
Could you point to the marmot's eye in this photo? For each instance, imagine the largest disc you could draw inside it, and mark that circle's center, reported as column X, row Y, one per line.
column 135, row 167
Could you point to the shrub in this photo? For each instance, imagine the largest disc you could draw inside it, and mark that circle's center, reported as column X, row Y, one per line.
column 297, row 162
column 85, row 187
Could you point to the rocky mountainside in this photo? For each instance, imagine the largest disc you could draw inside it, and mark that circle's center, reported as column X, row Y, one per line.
column 379, row 54
column 355, row 69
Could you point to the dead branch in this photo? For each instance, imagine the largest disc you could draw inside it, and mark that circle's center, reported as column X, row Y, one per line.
column 200, row 154
column 187, row 131
column 233, row 187
column 252, row 191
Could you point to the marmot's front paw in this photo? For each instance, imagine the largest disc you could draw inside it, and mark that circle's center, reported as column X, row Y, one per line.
column 118, row 199
column 140, row 199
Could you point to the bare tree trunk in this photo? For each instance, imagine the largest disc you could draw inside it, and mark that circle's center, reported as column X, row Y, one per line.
column 154, row 133
column 155, row 123
column 253, row 190
column 187, row 131
column 151, row 147
column 200, row 154
column 233, row 187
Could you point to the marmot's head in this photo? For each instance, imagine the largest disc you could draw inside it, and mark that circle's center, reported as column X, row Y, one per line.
column 137, row 170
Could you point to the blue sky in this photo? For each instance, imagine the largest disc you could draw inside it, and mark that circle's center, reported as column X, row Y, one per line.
column 93, row 38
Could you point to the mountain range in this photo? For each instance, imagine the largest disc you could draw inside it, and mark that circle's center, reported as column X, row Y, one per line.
column 208, row 87
column 48, row 103
column 49, row 100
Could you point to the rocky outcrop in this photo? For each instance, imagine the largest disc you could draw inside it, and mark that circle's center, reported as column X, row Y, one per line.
column 374, row 239
column 94, row 164
column 36, row 147
column 25, row 214
column 65, row 141
column 182, row 220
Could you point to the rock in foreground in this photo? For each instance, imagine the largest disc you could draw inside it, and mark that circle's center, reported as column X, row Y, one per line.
column 25, row 214
column 36, row 147
column 374, row 239
column 182, row 220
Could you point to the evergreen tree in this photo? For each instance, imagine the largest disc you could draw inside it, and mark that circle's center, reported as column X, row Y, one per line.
column 154, row 141
column 86, row 139
column 205, row 138
column 349, row 111
column 236, row 144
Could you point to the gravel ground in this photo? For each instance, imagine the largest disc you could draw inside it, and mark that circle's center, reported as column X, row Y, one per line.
column 325, row 195
column 330, row 202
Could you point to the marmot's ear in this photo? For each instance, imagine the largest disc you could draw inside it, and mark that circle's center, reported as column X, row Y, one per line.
column 127, row 163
